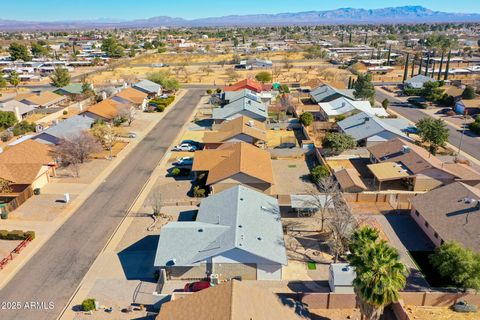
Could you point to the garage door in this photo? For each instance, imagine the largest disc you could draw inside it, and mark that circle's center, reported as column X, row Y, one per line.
column 228, row 271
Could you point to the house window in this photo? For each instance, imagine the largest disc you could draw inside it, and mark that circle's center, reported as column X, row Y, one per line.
column 435, row 235
column 426, row 224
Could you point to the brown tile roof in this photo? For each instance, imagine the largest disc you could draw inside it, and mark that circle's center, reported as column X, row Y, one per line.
column 132, row 95
column 348, row 178
column 232, row 300
column 232, row 128
column 447, row 212
column 107, row 109
column 474, row 103
column 45, row 98
column 28, row 152
column 20, row 173
column 245, row 84
column 232, row 158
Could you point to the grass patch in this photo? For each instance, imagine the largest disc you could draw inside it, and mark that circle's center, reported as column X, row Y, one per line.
column 292, row 165
column 312, row 265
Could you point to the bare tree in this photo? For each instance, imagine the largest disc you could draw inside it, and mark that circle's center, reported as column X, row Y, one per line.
column 341, row 224
column 5, row 186
column 76, row 150
column 322, row 199
column 276, row 72
column 157, row 203
column 128, row 113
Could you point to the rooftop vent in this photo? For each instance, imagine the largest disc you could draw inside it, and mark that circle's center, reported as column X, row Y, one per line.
column 240, row 226
column 259, row 238
column 345, row 269
column 200, row 230
column 405, row 149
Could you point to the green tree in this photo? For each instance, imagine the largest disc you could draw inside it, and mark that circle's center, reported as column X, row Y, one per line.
column 385, row 103
column 468, row 93
column 405, row 71
column 263, row 76
column 3, row 82
column 60, row 77
column 447, row 68
column 458, row 264
column 434, row 132
column 361, row 238
column 163, row 79
column 19, row 52
column 338, row 142
column 319, row 172
column 111, row 47
column 306, row 118
column 39, row 50
column 7, row 119
column 364, row 88
column 379, row 274
column 14, row 79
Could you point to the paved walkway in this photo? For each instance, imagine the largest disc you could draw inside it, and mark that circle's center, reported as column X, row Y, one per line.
column 54, row 272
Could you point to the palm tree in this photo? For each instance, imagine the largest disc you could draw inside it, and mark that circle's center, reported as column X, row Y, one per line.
column 362, row 237
column 379, row 275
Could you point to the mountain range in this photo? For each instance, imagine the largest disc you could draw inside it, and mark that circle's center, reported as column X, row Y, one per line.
column 393, row 15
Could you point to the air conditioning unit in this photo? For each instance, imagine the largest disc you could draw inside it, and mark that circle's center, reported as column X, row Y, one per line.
column 405, row 149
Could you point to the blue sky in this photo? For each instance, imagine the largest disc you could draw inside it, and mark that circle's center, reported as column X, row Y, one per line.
column 53, row 10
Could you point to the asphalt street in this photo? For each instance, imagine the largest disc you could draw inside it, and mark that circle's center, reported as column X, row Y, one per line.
column 470, row 143
column 55, row 271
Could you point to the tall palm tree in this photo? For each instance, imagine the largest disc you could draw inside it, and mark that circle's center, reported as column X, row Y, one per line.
column 362, row 237
column 379, row 277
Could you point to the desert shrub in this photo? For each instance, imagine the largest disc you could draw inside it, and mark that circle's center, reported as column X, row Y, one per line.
column 175, row 172
column 16, row 235
column 319, row 172
column 198, row 192
column 30, row 234
column 3, row 234
column 88, row 304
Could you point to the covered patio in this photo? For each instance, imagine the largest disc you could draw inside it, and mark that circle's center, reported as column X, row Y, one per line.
column 390, row 172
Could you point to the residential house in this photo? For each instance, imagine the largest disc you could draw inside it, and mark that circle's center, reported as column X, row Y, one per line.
column 449, row 213
column 349, row 180
column 241, row 107
column 27, row 163
column 249, row 84
column 368, row 129
column 131, row 96
column 399, row 159
column 345, row 107
column 232, row 300
column 65, row 129
column 340, row 278
column 151, row 88
column 241, row 129
column 232, row 96
column 21, row 110
column 256, row 63
column 71, row 90
column 470, row 107
column 45, row 99
column 237, row 234
column 232, row 164
column 327, row 93
column 418, row 81
column 106, row 110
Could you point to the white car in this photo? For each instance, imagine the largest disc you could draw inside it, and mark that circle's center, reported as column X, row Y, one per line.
column 184, row 161
column 185, row 147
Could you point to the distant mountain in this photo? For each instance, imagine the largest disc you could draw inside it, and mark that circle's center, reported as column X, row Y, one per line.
column 406, row 14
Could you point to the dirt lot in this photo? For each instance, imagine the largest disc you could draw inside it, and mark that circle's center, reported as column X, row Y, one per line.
column 439, row 314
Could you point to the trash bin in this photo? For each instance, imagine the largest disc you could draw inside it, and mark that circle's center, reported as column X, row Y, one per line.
column 36, row 191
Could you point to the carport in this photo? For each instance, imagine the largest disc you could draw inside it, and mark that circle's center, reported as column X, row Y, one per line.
column 388, row 171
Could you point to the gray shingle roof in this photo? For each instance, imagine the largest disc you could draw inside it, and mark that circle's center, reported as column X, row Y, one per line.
column 148, row 86
column 323, row 92
column 362, row 125
column 70, row 127
column 232, row 96
column 237, row 218
column 242, row 104
column 420, row 78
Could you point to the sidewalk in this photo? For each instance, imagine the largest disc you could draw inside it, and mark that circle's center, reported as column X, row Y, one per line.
column 45, row 229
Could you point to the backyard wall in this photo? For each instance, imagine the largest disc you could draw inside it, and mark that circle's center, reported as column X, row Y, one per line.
column 399, row 201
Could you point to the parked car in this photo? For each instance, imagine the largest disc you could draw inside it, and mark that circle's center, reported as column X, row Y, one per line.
column 411, row 129
column 194, row 143
column 196, row 286
column 185, row 147
column 184, row 161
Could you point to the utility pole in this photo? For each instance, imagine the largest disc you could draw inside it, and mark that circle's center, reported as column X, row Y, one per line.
column 463, row 133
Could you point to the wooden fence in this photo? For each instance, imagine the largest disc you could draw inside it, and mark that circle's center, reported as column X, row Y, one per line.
column 15, row 199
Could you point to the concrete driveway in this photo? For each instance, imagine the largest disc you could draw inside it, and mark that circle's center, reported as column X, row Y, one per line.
column 54, row 272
